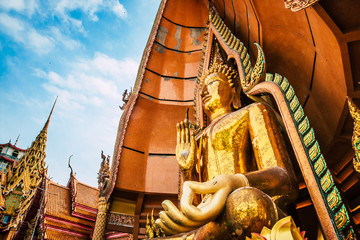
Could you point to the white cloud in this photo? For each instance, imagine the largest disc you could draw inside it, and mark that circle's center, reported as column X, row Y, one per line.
column 12, row 26
column 63, row 40
column 26, row 7
column 118, row 9
column 41, row 43
column 110, row 67
column 23, row 33
column 17, row 5
column 90, row 82
column 89, row 7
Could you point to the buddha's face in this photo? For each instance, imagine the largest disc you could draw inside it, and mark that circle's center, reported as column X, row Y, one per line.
column 216, row 92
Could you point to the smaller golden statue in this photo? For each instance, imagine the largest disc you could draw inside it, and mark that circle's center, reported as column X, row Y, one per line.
column 104, row 172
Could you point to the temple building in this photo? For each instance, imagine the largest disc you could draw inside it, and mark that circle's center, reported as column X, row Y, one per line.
column 70, row 210
column 34, row 207
column 311, row 51
column 294, row 67
column 9, row 154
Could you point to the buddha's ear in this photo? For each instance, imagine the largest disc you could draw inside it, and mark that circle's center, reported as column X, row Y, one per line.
column 236, row 103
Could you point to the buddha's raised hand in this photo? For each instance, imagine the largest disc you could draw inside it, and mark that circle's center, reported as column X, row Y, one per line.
column 173, row 221
column 186, row 146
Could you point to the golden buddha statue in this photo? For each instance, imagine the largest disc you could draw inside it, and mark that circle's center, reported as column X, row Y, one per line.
column 238, row 163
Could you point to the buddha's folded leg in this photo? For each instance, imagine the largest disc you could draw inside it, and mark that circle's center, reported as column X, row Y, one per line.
column 247, row 210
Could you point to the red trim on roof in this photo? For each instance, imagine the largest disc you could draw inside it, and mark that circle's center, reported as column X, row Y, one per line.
column 116, row 235
column 59, row 229
column 13, row 146
column 89, row 209
column 83, row 216
column 59, row 220
column 8, row 159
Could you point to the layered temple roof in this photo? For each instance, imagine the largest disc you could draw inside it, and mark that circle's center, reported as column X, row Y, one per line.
column 34, row 205
column 59, row 217
column 22, row 188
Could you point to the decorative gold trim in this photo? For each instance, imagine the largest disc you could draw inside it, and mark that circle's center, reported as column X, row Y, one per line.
column 298, row 5
column 355, row 114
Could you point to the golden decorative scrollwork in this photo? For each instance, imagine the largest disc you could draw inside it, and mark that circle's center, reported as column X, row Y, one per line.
column 250, row 76
column 100, row 224
column 298, row 5
column 355, row 114
column 152, row 230
column 257, row 72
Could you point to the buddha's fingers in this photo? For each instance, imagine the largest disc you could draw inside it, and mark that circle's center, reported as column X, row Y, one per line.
column 187, row 134
column 168, row 222
column 193, row 145
column 182, row 132
column 178, row 131
column 166, row 230
column 215, row 206
column 209, row 211
column 203, row 187
column 177, row 216
column 206, row 200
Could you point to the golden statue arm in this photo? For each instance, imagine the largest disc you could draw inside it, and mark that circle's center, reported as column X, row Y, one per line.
column 275, row 175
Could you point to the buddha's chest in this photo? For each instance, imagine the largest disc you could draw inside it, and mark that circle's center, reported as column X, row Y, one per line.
column 228, row 133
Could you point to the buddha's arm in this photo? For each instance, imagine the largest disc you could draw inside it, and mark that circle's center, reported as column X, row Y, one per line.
column 275, row 175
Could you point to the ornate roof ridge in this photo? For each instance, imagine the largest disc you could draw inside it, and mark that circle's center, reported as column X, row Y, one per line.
column 57, row 184
column 12, row 145
column 87, row 185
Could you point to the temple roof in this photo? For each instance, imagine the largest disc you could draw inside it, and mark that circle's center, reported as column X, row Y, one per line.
column 58, row 204
column 162, row 93
column 56, row 235
column 13, row 146
column 86, row 195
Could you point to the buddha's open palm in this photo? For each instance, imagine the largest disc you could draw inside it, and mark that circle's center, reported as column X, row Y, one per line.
column 186, row 146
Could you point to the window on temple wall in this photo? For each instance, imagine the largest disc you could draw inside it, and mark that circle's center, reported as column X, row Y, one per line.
column 15, row 153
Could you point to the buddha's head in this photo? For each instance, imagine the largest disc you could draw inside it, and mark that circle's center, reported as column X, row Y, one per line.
column 219, row 88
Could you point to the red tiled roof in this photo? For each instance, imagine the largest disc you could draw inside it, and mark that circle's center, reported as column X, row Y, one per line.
column 58, row 204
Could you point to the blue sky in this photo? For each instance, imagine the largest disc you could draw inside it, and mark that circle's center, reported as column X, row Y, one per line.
column 86, row 52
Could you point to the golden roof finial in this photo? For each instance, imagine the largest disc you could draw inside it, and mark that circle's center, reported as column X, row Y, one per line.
column 69, row 164
column 217, row 56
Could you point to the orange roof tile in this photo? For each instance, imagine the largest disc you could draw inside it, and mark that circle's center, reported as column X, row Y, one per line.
column 86, row 195
column 53, row 234
column 58, row 204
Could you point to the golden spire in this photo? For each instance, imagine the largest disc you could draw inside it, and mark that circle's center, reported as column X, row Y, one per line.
column 32, row 163
column 48, row 120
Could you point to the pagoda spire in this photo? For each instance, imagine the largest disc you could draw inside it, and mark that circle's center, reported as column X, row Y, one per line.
column 48, row 120
column 32, row 163
column 17, row 139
